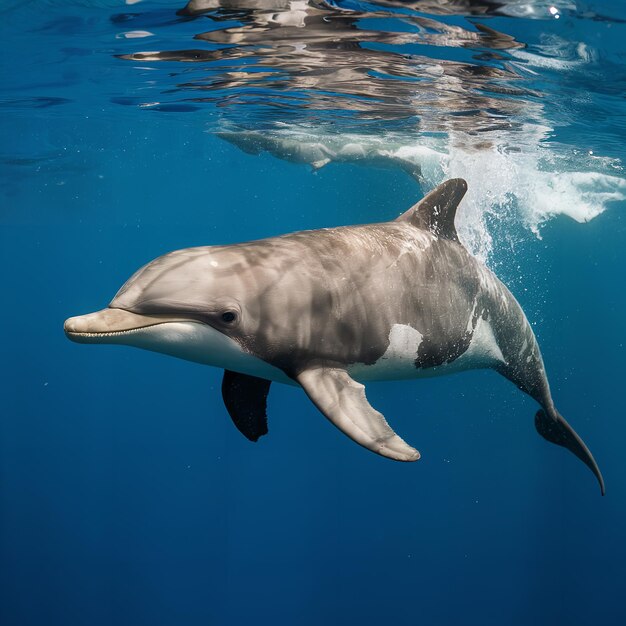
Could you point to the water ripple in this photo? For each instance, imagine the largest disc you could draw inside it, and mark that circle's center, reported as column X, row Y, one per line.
column 356, row 63
column 524, row 98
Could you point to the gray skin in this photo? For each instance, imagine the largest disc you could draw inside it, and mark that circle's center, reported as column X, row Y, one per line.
column 327, row 308
column 318, row 151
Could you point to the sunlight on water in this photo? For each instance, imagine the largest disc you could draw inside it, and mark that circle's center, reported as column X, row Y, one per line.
column 384, row 84
column 489, row 91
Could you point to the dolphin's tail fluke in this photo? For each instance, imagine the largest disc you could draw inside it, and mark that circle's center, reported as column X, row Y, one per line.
column 556, row 430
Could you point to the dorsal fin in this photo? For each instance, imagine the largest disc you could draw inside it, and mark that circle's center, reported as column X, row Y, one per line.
column 436, row 211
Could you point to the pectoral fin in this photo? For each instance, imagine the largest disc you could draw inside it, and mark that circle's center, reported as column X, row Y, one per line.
column 245, row 398
column 319, row 164
column 342, row 400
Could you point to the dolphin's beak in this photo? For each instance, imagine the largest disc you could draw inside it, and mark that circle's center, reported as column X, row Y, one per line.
column 99, row 326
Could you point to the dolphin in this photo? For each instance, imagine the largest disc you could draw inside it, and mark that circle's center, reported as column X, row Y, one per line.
column 330, row 309
column 303, row 146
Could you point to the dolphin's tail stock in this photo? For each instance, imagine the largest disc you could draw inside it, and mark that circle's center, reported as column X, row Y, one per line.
column 555, row 429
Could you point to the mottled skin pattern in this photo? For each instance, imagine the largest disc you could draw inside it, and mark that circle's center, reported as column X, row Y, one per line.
column 331, row 296
column 322, row 308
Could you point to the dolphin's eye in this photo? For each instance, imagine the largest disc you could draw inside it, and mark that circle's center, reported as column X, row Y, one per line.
column 229, row 316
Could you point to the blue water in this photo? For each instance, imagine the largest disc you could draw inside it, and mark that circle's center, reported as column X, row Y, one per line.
column 127, row 497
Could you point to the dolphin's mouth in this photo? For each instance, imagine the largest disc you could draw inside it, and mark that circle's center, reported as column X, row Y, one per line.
column 99, row 326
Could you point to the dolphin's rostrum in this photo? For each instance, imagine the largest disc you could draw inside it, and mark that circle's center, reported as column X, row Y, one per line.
column 329, row 309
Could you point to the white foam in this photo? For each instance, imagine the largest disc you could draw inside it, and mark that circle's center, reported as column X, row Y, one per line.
column 514, row 178
column 527, row 187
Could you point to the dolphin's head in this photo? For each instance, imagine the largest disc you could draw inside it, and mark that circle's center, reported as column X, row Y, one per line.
column 199, row 304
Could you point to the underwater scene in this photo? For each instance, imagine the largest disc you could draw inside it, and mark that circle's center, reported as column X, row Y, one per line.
column 411, row 411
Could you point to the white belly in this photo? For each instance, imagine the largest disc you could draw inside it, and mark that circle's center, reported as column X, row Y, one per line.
column 398, row 362
column 200, row 343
